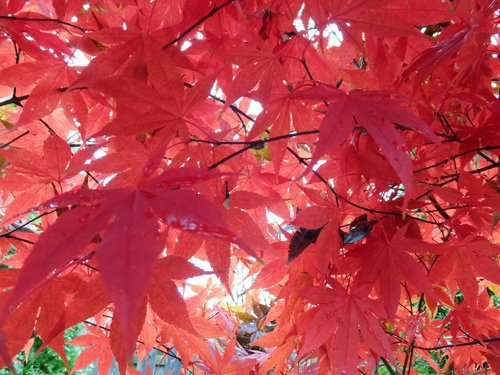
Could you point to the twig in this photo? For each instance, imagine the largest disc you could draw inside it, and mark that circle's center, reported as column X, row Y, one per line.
column 167, row 352
column 316, row 173
column 230, row 156
column 388, row 366
column 214, row 10
column 235, row 109
column 47, row 126
column 456, row 156
column 55, row 20
column 27, row 223
column 370, row 210
column 473, row 342
column 484, row 169
column 438, row 207
column 408, row 358
column 14, row 100
column 19, row 239
column 257, row 142
column 251, row 144
column 15, row 139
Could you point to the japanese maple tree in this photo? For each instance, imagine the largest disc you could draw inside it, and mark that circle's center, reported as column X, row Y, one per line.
column 252, row 186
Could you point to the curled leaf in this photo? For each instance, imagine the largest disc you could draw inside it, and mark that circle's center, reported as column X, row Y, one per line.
column 358, row 229
column 301, row 239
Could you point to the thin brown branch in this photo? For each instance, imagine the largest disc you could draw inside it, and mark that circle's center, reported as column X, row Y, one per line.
column 257, row 142
column 388, row 366
column 408, row 295
column 487, row 168
column 18, row 99
column 309, row 74
column 234, row 108
column 14, row 100
column 49, row 128
column 438, row 207
column 408, row 358
column 92, row 177
column 316, row 173
column 19, row 239
column 452, row 157
column 486, row 157
column 15, row 139
column 455, row 178
column 31, row 19
column 167, row 350
column 367, row 209
column 214, row 10
column 447, row 127
column 230, row 156
column 26, row 223
column 469, row 343
column 250, row 144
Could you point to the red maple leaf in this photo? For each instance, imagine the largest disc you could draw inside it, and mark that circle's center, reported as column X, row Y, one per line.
column 377, row 113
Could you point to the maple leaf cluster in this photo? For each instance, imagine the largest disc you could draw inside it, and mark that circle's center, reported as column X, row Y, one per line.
column 343, row 154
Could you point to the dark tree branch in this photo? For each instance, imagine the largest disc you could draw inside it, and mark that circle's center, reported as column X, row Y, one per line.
column 54, row 20
column 47, row 126
column 408, row 295
column 15, row 139
column 473, row 342
column 455, row 178
column 167, row 350
column 214, row 10
column 234, row 108
column 487, row 168
column 25, row 224
column 438, row 207
column 308, row 72
column 19, row 239
column 487, row 148
column 316, row 173
column 388, row 366
column 370, row 210
column 486, row 157
column 407, row 357
column 250, row 144
column 92, row 177
column 230, row 156
column 14, row 100
column 259, row 142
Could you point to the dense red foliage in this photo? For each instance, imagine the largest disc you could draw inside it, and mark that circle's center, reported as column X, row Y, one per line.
column 133, row 145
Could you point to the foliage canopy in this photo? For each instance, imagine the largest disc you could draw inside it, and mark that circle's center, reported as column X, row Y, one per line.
column 343, row 156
